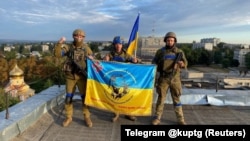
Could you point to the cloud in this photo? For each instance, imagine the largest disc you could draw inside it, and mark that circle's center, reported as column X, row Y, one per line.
column 112, row 17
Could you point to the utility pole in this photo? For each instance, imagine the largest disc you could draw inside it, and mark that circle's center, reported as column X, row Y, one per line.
column 217, row 84
column 7, row 105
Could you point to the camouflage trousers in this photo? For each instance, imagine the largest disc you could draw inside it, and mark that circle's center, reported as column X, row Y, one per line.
column 71, row 85
column 174, row 85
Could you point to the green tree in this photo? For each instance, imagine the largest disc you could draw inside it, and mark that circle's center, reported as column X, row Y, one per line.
column 247, row 60
column 2, row 47
column 225, row 63
column 229, row 54
column 11, row 100
column 217, row 57
column 206, row 57
column 189, row 54
column 21, row 49
column 108, row 48
column 221, row 45
column 235, row 63
column 10, row 55
column 94, row 46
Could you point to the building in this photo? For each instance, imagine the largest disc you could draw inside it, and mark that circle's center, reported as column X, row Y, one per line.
column 16, row 86
column 239, row 54
column 8, row 48
column 28, row 47
column 214, row 41
column 207, row 43
column 36, row 53
column 206, row 46
column 45, row 48
column 147, row 46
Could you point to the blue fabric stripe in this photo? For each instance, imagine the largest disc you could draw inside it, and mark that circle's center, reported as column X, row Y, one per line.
column 69, row 95
column 169, row 57
column 118, row 59
column 178, row 105
column 62, row 53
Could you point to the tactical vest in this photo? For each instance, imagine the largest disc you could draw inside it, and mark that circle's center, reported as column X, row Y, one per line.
column 119, row 57
column 167, row 58
column 76, row 59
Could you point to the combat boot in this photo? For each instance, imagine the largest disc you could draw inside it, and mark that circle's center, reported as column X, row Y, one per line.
column 68, row 114
column 180, row 116
column 132, row 118
column 67, row 121
column 182, row 122
column 156, row 121
column 88, row 121
column 116, row 117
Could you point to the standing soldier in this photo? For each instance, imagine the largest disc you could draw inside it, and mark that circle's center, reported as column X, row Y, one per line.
column 169, row 77
column 118, row 54
column 75, row 72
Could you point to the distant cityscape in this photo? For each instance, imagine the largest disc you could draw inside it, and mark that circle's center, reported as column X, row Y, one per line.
column 147, row 46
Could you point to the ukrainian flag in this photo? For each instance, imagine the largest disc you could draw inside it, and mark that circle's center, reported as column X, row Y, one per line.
column 133, row 39
column 120, row 87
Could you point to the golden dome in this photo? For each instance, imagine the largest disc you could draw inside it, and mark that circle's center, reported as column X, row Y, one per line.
column 16, row 71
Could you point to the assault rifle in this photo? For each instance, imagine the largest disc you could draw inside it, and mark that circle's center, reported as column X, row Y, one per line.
column 78, row 68
column 175, row 66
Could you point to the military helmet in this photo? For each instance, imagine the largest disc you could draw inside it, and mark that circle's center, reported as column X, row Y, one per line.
column 78, row 32
column 170, row 34
column 118, row 40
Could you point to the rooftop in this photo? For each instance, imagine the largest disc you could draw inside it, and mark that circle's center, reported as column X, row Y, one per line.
column 40, row 117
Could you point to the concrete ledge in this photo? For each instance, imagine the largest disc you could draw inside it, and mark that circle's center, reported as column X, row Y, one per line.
column 26, row 113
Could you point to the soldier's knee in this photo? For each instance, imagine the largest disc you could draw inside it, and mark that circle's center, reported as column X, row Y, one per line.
column 158, row 90
column 68, row 99
column 83, row 96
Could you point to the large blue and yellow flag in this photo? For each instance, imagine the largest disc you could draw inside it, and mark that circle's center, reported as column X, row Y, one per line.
column 120, row 87
column 133, row 39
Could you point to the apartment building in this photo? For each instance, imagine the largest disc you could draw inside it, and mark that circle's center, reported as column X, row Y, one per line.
column 206, row 46
column 147, row 46
column 206, row 43
column 214, row 41
column 8, row 48
column 45, row 48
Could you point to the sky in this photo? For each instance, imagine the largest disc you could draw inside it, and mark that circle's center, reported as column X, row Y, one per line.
column 101, row 20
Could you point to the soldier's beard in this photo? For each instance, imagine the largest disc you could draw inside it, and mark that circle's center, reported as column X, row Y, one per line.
column 169, row 47
column 78, row 42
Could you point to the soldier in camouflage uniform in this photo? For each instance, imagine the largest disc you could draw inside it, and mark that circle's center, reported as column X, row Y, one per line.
column 118, row 54
column 169, row 77
column 75, row 72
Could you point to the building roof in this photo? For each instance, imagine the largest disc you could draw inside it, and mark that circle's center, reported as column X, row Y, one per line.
column 16, row 71
column 41, row 116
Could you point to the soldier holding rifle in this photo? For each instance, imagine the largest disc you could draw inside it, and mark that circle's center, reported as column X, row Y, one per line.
column 169, row 60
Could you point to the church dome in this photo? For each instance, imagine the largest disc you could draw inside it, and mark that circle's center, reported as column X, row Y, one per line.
column 16, row 71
